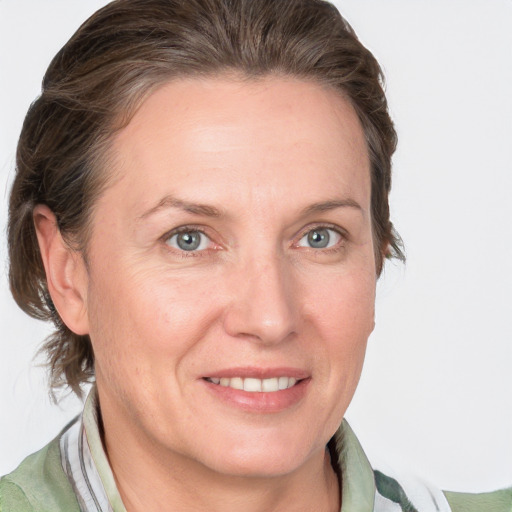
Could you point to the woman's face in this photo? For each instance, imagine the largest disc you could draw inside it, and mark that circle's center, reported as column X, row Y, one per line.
column 233, row 250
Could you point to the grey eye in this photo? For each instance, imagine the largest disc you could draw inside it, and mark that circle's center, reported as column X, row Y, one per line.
column 189, row 241
column 320, row 238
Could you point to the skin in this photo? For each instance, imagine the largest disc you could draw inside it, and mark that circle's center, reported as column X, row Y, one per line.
column 261, row 155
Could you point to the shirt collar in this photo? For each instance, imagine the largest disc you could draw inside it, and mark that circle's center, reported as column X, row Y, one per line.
column 92, row 430
column 357, row 480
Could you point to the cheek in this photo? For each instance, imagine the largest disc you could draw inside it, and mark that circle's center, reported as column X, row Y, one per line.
column 344, row 319
column 343, row 304
column 137, row 317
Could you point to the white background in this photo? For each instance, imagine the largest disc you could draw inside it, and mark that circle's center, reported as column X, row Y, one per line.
column 435, row 394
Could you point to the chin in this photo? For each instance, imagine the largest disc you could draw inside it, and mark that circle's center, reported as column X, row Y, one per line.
column 260, row 456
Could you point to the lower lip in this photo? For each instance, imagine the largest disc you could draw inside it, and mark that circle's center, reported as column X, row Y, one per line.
column 260, row 402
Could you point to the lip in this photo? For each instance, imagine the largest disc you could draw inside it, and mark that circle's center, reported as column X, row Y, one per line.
column 259, row 402
column 259, row 373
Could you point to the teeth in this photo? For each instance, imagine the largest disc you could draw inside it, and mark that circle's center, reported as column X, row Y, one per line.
column 255, row 385
column 283, row 382
column 252, row 385
column 269, row 385
column 236, row 383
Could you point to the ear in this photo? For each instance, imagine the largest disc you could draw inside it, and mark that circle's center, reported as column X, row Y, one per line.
column 66, row 273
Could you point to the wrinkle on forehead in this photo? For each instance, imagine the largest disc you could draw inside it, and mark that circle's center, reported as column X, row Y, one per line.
column 269, row 135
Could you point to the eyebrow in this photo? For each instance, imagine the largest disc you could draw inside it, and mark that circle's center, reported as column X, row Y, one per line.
column 206, row 210
column 173, row 202
column 325, row 206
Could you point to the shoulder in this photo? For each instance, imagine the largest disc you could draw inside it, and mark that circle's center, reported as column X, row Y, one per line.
column 497, row 501
column 38, row 484
column 415, row 495
column 378, row 487
column 411, row 494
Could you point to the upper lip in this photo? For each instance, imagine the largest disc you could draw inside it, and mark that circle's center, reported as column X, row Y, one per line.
column 259, row 373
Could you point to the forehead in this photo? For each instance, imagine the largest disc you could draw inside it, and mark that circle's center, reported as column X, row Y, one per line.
column 282, row 132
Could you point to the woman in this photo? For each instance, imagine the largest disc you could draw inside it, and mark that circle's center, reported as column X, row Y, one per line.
column 201, row 208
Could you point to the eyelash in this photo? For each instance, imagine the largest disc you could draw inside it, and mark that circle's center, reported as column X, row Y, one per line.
column 199, row 253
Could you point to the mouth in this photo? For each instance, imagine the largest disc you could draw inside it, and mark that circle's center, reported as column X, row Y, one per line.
column 254, row 385
column 257, row 389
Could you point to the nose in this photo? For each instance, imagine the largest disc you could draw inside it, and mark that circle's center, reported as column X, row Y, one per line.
column 264, row 305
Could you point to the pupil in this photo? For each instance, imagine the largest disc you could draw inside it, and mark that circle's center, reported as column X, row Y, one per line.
column 189, row 241
column 319, row 238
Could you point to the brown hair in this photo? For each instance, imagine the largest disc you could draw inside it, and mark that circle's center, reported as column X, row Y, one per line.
column 116, row 59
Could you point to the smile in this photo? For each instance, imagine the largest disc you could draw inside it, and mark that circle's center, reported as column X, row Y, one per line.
column 253, row 385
